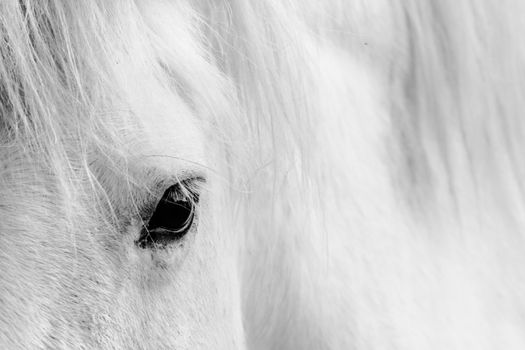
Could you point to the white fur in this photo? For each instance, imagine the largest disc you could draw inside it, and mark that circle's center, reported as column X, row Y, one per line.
column 362, row 163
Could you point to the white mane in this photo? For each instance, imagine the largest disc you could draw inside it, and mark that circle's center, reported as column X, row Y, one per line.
column 454, row 75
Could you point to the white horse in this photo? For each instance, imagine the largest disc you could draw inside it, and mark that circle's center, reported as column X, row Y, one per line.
column 266, row 174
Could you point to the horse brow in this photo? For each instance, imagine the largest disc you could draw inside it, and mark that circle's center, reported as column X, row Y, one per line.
column 164, row 178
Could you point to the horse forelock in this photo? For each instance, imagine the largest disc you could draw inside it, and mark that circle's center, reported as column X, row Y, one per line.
column 456, row 103
column 54, row 70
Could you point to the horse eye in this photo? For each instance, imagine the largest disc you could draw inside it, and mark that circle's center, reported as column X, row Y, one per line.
column 172, row 218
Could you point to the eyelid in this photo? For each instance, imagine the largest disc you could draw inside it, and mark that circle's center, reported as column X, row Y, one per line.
column 195, row 182
column 189, row 188
column 190, row 179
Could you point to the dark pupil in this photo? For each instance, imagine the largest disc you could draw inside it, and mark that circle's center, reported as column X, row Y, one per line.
column 171, row 220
